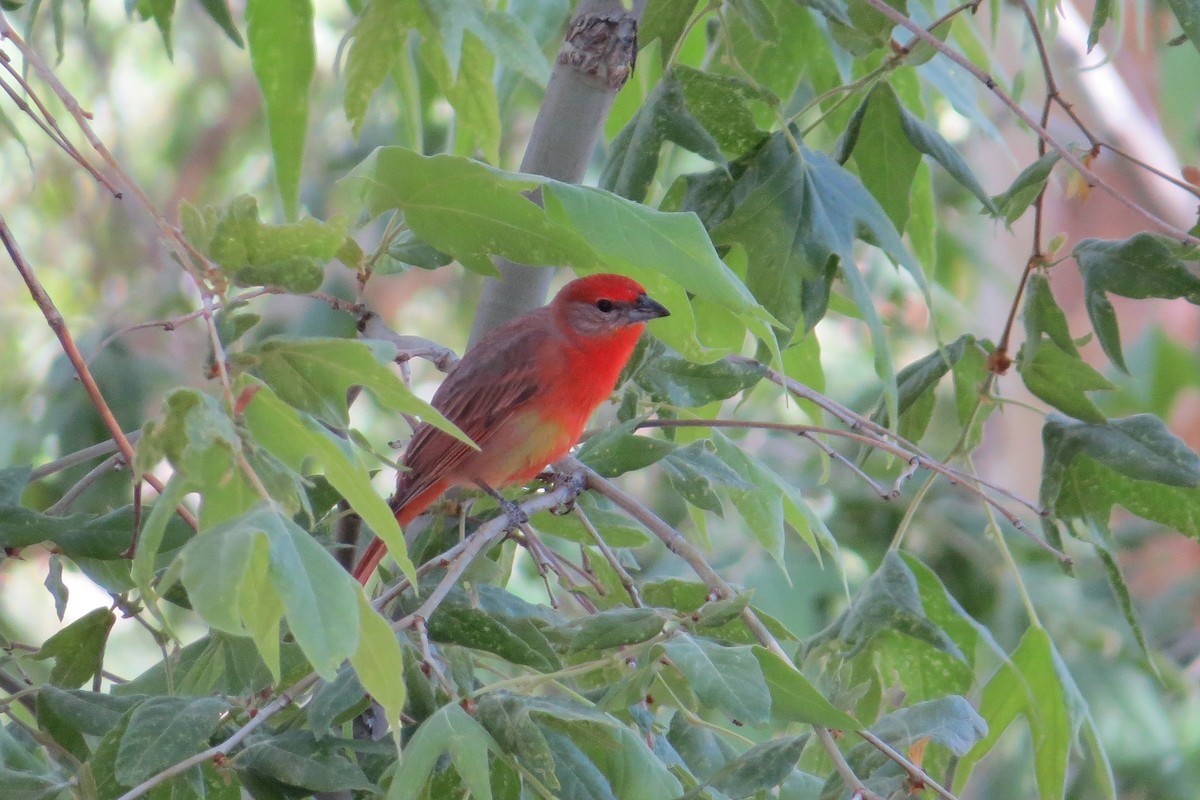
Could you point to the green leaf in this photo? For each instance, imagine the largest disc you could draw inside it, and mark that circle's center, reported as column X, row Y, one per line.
column 218, row 12
column 194, row 434
column 762, row 504
column 948, row 721
column 1025, row 189
column 695, row 472
column 314, row 375
column 317, row 596
column 78, row 649
column 763, row 766
column 295, row 759
column 795, row 699
column 726, row 679
column 283, row 54
column 664, row 117
column 376, row 46
column 920, row 378
column 471, row 93
column 720, row 104
column 889, row 600
column 666, row 22
column 616, row 628
column 667, row 377
column 618, row 450
column 162, row 12
column 1142, row 266
column 333, row 700
column 93, row 713
column 1061, row 379
column 1100, row 16
column 1188, row 14
column 1134, row 462
column 517, row 640
column 1043, row 315
column 451, row 730
column 295, row 438
column 289, row 256
column 507, row 718
column 794, row 211
column 1030, row 685
column 886, row 159
column 163, row 731
column 617, row 529
column 379, row 662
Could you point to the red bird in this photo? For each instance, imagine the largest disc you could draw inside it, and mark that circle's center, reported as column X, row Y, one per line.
column 523, row 394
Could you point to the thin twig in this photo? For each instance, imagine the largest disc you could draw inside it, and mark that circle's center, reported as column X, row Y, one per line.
column 610, row 556
column 1090, row 176
column 80, row 456
column 918, row 775
column 106, row 467
column 57, row 324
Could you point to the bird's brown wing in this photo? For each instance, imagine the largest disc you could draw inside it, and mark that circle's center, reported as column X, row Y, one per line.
column 497, row 378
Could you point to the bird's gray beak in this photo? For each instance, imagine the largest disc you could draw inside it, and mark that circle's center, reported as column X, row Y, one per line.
column 645, row 308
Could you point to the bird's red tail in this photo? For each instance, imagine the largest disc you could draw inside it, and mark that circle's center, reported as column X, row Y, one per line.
column 376, row 550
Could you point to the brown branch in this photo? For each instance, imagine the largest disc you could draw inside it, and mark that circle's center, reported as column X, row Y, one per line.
column 57, row 324
column 1090, row 176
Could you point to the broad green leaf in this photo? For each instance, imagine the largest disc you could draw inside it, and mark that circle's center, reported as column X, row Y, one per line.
column 1134, row 462
column 664, row 117
column 616, row 628
column 720, row 103
column 795, row 699
column 667, row 377
column 162, row 12
column 507, row 718
column 471, row 91
column 688, row 597
column 1042, row 314
column 1188, row 14
column 163, row 731
column 695, row 472
column 283, row 54
column 617, row 752
column 1025, row 188
column 886, row 159
column 945, row 611
column 463, row 208
column 666, row 22
column 142, row 571
column 762, row 504
column 93, row 713
column 1061, row 379
column 617, row 529
column 195, row 435
column 451, row 730
column 314, row 375
column 317, row 596
column 726, row 679
column 618, row 450
column 334, row 699
column 948, row 721
column 1030, row 685
column 296, row 760
column 516, row 640
column 1140, row 267
column 918, row 380
column 78, row 649
column 376, row 45
column 294, row 438
column 763, row 766
column 889, row 600
column 927, row 140
column 379, row 662
column 290, row 256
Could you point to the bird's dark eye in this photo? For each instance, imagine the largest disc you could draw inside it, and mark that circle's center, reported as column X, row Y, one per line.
column 605, row 305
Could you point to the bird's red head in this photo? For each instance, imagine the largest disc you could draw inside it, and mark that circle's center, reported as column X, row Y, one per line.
column 603, row 304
